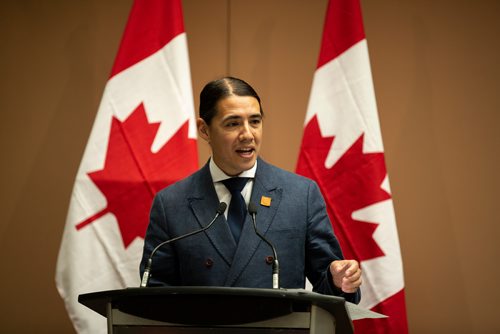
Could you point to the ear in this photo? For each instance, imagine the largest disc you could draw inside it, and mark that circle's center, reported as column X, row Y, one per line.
column 203, row 129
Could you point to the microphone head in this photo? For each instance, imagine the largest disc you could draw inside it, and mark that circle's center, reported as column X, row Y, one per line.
column 221, row 208
column 252, row 208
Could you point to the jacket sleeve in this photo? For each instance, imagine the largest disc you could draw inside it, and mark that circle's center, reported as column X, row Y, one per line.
column 322, row 247
column 163, row 271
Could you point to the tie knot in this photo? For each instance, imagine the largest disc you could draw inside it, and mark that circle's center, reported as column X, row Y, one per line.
column 235, row 184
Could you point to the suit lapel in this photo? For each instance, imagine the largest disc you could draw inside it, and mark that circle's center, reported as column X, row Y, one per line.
column 264, row 185
column 204, row 203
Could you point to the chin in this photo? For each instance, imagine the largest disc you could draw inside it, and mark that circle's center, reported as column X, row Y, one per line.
column 246, row 166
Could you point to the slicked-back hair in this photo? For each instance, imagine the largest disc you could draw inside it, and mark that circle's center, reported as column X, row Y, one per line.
column 219, row 89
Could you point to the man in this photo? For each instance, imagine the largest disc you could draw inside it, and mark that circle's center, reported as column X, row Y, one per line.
column 291, row 212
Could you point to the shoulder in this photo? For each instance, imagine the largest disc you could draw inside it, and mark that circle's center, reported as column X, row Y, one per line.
column 187, row 186
column 281, row 177
column 264, row 167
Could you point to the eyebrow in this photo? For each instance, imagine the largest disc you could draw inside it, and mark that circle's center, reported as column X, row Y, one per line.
column 232, row 117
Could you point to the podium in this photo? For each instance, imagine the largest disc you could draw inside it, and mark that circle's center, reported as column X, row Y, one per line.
column 197, row 310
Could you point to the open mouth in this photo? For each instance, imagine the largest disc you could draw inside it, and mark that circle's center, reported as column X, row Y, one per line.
column 245, row 152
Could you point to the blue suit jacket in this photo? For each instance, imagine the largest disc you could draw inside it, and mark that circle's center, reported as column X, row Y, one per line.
column 296, row 223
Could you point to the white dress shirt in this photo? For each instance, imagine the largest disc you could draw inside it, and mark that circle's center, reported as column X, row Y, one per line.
column 222, row 193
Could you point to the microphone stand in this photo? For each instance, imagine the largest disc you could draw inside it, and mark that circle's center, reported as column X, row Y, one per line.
column 147, row 271
column 276, row 268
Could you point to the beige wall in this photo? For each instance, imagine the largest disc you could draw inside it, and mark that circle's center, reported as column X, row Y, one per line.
column 436, row 75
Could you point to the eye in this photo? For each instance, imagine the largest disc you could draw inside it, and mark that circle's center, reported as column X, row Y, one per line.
column 231, row 124
column 255, row 121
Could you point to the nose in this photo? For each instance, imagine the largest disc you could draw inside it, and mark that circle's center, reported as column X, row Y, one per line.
column 246, row 132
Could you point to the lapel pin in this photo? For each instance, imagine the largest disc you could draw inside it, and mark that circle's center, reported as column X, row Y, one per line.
column 265, row 201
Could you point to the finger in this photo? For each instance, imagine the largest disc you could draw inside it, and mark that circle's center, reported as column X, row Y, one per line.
column 351, row 286
column 356, row 282
column 352, row 267
column 354, row 276
column 353, row 290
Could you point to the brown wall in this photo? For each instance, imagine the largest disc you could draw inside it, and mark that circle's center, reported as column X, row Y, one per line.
column 436, row 75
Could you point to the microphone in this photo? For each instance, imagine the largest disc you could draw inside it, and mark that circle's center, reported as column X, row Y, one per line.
column 252, row 209
column 147, row 271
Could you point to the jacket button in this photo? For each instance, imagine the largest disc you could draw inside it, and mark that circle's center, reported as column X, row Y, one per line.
column 209, row 263
column 269, row 259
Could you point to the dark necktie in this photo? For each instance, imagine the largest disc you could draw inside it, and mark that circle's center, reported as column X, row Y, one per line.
column 237, row 206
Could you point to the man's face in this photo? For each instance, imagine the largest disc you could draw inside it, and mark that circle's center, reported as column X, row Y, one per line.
column 234, row 133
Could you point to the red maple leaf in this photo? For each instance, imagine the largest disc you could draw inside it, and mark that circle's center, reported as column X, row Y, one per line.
column 132, row 174
column 354, row 182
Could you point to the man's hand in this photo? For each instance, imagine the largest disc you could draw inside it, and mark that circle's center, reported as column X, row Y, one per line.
column 346, row 275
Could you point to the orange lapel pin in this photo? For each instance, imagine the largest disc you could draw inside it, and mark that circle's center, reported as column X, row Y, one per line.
column 265, row 201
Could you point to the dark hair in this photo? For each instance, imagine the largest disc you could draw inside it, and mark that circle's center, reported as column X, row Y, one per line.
column 219, row 89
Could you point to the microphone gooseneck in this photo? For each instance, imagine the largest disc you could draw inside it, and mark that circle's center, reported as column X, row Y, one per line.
column 147, row 271
column 252, row 209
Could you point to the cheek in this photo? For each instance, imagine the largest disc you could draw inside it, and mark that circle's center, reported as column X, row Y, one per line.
column 225, row 143
column 258, row 135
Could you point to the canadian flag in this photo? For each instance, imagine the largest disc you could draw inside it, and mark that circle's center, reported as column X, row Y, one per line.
column 143, row 139
column 342, row 150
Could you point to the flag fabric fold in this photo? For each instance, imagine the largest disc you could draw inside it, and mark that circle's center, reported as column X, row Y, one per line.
column 143, row 139
column 342, row 151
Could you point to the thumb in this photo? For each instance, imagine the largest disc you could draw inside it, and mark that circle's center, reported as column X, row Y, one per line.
column 339, row 266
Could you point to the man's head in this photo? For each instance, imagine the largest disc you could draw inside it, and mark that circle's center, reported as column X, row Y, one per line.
column 231, row 122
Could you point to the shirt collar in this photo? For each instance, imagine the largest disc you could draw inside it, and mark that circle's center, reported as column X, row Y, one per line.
column 218, row 175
